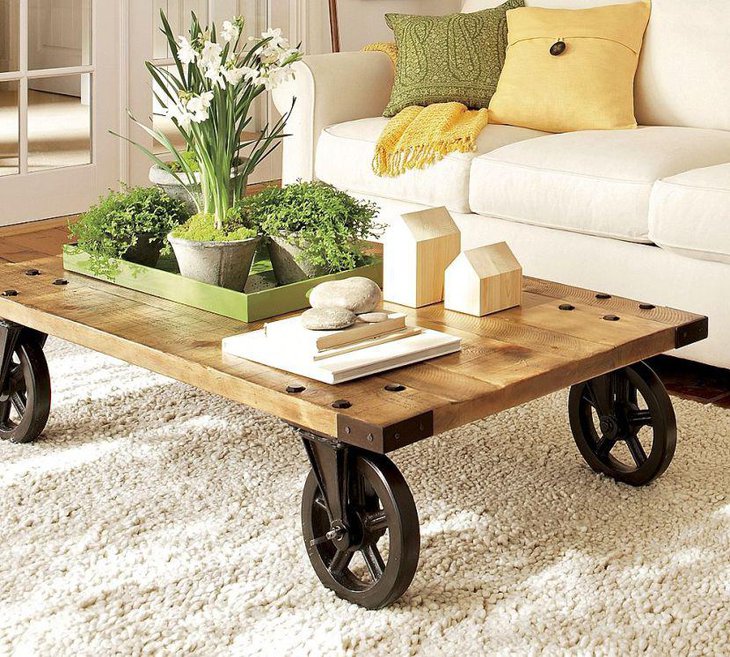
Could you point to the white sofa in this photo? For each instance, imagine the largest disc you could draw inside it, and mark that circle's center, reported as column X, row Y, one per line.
column 640, row 213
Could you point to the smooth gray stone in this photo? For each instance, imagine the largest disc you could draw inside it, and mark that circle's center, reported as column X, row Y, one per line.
column 327, row 319
column 358, row 294
column 373, row 318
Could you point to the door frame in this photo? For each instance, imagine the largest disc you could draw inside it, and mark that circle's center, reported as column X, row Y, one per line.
column 68, row 190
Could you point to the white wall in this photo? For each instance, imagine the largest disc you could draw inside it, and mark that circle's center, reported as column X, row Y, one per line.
column 363, row 22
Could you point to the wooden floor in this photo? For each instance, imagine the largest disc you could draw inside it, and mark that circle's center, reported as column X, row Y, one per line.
column 683, row 378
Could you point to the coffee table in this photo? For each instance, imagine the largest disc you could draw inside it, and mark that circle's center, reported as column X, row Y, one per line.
column 356, row 506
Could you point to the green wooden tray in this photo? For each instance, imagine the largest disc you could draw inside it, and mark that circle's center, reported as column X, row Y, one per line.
column 164, row 281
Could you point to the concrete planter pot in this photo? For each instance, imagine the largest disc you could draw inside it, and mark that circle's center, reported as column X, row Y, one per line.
column 224, row 264
column 289, row 267
column 170, row 185
column 145, row 252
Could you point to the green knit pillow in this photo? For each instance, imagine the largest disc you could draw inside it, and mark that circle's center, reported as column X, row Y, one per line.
column 443, row 59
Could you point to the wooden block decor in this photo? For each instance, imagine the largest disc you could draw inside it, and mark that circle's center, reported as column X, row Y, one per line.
column 417, row 249
column 483, row 281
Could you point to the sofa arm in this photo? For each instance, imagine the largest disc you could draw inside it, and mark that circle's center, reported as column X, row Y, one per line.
column 329, row 89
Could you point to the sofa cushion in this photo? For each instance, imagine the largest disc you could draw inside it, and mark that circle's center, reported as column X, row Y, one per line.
column 596, row 182
column 690, row 213
column 345, row 153
column 443, row 59
column 582, row 79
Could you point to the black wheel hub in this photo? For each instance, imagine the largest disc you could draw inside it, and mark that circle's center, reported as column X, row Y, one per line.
column 609, row 427
column 340, row 536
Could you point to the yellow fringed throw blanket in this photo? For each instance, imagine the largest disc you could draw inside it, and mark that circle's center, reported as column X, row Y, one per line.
column 418, row 137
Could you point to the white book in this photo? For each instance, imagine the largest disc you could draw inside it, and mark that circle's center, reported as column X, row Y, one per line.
column 427, row 344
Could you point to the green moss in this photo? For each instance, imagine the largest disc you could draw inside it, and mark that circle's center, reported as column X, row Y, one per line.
column 189, row 158
column 201, row 228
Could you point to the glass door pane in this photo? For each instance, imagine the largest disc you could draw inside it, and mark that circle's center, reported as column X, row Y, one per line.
column 59, row 125
column 59, row 33
column 9, row 42
column 9, row 129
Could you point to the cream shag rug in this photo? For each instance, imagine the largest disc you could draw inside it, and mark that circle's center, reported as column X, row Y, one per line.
column 154, row 519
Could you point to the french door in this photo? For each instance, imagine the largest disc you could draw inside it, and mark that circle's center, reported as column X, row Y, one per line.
column 59, row 98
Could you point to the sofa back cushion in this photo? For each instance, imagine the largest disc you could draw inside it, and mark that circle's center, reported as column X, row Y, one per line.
column 682, row 78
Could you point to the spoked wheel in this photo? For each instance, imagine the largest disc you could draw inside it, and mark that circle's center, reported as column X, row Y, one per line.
column 371, row 562
column 624, row 424
column 25, row 395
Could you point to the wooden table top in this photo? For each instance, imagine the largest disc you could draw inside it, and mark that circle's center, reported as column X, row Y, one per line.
column 507, row 359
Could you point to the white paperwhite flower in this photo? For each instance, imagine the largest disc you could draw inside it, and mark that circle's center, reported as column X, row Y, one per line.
column 276, row 76
column 183, row 117
column 277, row 40
column 230, row 32
column 286, row 55
column 199, row 117
column 233, row 75
column 211, row 55
column 269, row 55
column 251, row 74
column 198, row 106
column 186, row 53
column 216, row 75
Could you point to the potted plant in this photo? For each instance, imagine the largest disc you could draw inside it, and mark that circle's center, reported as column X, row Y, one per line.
column 209, row 93
column 195, row 244
column 132, row 225
column 313, row 229
column 171, row 185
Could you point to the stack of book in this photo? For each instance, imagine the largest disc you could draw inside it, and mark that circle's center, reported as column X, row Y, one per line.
column 343, row 355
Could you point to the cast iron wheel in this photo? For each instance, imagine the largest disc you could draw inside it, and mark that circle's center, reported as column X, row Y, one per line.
column 624, row 424
column 25, row 396
column 381, row 559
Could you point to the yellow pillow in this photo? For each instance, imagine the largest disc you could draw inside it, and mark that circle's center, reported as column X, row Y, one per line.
column 570, row 69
